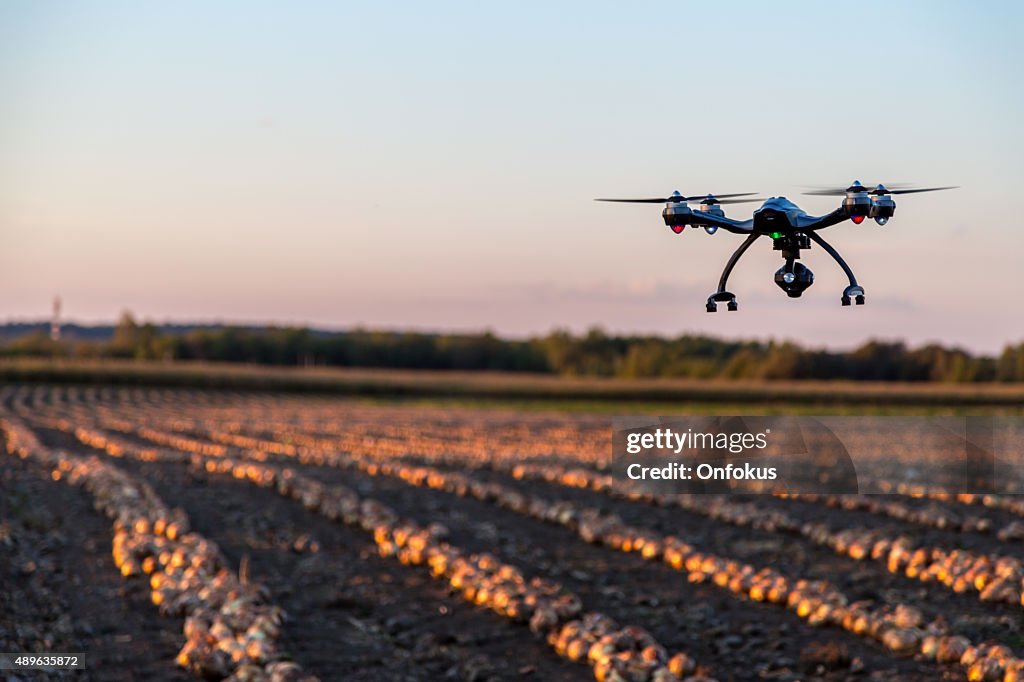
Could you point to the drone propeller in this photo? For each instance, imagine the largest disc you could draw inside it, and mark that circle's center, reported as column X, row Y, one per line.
column 676, row 196
column 879, row 190
column 882, row 190
column 711, row 200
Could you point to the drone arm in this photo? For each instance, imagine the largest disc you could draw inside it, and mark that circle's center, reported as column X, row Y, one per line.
column 728, row 224
column 734, row 259
column 809, row 223
column 835, row 254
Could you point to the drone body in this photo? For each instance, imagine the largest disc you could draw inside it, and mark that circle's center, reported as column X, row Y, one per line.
column 789, row 227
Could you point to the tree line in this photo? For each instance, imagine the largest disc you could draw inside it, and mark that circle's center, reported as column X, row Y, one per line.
column 595, row 353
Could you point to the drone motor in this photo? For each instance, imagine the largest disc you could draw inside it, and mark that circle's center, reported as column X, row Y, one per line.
column 857, row 202
column 882, row 205
column 677, row 213
column 711, row 206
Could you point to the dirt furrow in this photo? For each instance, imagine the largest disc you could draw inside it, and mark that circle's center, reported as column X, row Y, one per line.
column 60, row 590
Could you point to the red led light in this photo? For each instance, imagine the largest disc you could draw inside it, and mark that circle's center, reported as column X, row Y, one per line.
column 678, row 228
column 857, row 219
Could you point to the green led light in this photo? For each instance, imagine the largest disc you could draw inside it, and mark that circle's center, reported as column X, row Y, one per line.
column 776, row 235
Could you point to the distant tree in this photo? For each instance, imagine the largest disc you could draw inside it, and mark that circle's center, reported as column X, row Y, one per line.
column 37, row 343
column 559, row 348
column 126, row 336
column 594, row 353
column 783, row 362
column 1010, row 366
column 743, row 364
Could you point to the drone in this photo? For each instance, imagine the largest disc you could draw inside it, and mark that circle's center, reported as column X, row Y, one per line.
column 790, row 228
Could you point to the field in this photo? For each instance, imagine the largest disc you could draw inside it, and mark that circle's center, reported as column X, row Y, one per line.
column 189, row 533
column 537, row 391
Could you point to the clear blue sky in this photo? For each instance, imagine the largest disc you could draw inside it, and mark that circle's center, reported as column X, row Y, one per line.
column 432, row 165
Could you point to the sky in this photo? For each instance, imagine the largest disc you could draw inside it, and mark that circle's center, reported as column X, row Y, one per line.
column 433, row 165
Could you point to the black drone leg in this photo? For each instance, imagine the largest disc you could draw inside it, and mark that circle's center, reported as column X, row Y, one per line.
column 855, row 290
column 722, row 294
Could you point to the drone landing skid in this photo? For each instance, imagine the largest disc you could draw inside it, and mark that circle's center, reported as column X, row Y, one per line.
column 714, row 298
column 854, row 292
column 722, row 294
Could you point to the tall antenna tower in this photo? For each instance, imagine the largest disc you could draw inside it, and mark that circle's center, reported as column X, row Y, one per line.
column 55, row 320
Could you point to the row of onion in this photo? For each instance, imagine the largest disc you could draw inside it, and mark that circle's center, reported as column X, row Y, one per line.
column 231, row 627
column 616, row 654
